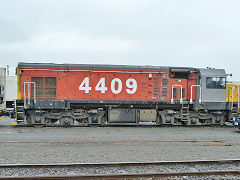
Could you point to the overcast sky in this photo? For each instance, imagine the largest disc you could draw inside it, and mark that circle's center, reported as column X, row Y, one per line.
column 196, row 33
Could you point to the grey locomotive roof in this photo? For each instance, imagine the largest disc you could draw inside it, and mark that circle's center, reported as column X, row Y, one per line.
column 102, row 66
column 212, row 72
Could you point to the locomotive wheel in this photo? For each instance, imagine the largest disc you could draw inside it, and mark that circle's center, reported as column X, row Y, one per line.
column 48, row 121
column 208, row 121
column 159, row 119
column 66, row 121
column 29, row 120
column 84, row 122
column 186, row 123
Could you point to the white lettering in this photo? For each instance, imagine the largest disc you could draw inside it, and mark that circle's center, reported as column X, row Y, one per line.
column 113, row 86
column 101, row 86
column 132, row 84
column 84, row 86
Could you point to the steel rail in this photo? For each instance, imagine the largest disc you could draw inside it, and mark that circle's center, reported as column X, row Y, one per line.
column 141, row 175
column 116, row 141
column 115, row 164
column 124, row 125
column 233, row 171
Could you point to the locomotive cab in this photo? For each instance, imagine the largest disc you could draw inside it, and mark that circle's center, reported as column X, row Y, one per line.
column 213, row 83
column 213, row 87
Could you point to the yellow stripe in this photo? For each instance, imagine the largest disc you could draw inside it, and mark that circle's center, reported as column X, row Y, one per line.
column 13, row 123
column 19, row 93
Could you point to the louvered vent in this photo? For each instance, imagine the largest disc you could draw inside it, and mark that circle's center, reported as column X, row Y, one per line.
column 155, row 87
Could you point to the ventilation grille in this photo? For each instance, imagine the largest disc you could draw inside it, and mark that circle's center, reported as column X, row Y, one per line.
column 45, row 86
column 144, row 87
column 164, row 87
column 164, row 92
column 155, row 87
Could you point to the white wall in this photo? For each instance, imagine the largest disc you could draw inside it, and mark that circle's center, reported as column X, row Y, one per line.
column 11, row 88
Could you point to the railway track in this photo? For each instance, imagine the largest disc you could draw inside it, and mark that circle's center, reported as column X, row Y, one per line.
column 125, row 125
column 217, row 174
column 142, row 125
column 206, row 168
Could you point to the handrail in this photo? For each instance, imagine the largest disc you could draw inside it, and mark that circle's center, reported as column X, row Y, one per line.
column 238, row 95
column 28, row 92
column 233, row 88
column 200, row 95
column 172, row 92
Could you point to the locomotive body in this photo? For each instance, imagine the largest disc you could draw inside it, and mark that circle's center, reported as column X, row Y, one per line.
column 112, row 94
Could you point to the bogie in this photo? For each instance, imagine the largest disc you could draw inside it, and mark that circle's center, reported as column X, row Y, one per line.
column 113, row 116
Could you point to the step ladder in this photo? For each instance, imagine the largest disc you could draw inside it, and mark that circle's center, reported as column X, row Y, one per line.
column 185, row 113
column 20, row 113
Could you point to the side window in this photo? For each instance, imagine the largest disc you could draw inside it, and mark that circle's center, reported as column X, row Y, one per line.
column 45, row 86
column 179, row 75
column 215, row 82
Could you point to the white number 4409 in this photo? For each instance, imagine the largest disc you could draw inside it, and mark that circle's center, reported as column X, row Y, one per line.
column 101, row 86
column 84, row 86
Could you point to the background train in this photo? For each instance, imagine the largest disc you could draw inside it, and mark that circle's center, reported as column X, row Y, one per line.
column 113, row 94
column 233, row 97
column 8, row 93
column 2, row 90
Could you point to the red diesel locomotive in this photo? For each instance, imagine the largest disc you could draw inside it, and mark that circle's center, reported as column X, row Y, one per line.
column 113, row 94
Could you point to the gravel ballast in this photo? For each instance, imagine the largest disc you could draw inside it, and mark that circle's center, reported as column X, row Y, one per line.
column 117, row 144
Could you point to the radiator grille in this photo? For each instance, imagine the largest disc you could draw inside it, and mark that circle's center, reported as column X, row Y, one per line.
column 155, row 87
column 50, row 82
column 144, row 87
column 45, row 86
column 164, row 92
column 164, row 88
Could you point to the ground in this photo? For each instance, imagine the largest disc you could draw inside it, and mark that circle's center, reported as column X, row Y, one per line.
column 109, row 144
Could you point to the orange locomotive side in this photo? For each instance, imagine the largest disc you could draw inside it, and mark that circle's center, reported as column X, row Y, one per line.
column 108, row 94
column 105, row 84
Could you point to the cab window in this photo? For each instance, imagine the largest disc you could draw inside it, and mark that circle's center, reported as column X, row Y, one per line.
column 215, row 82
